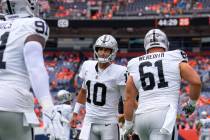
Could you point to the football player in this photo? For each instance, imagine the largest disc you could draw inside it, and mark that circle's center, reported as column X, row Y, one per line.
column 156, row 77
column 64, row 107
column 103, row 85
column 22, row 39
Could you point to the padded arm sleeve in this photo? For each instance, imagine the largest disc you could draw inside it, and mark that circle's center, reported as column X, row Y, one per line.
column 33, row 55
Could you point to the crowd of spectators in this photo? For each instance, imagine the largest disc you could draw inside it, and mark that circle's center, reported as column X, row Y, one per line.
column 62, row 68
column 108, row 9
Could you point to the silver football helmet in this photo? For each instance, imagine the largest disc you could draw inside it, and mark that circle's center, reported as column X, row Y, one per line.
column 64, row 96
column 105, row 41
column 24, row 7
column 156, row 38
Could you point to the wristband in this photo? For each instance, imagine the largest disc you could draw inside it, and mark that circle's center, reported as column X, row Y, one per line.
column 128, row 124
column 192, row 102
column 77, row 107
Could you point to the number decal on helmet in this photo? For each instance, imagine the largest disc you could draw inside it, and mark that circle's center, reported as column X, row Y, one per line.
column 155, row 38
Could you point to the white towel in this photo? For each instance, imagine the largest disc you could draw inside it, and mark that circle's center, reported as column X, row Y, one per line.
column 30, row 119
column 85, row 132
column 170, row 120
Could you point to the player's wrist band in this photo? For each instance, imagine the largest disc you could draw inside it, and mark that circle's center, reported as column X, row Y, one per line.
column 77, row 107
column 192, row 102
column 128, row 123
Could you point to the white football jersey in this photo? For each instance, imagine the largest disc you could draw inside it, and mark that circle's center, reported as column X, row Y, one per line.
column 157, row 78
column 13, row 72
column 13, row 34
column 102, row 91
column 65, row 110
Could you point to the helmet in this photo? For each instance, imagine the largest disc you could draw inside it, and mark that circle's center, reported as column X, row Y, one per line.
column 204, row 114
column 64, row 96
column 27, row 7
column 105, row 41
column 156, row 38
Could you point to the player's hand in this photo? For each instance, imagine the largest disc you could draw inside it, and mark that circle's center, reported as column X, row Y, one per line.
column 189, row 107
column 121, row 118
column 128, row 129
column 73, row 121
column 198, row 126
column 53, row 124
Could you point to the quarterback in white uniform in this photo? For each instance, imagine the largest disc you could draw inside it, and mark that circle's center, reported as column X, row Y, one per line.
column 156, row 77
column 102, row 87
column 22, row 39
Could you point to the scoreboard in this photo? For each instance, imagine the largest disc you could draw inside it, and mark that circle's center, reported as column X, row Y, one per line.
column 173, row 22
column 124, row 28
column 182, row 22
column 120, row 23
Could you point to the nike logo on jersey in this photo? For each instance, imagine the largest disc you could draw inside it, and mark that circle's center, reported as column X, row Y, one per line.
column 108, row 124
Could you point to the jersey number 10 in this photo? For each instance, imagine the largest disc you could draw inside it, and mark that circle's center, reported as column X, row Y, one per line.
column 95, row 93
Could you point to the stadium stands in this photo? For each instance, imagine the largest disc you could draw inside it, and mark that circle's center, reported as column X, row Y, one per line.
column 62, row 68
column 105, row 9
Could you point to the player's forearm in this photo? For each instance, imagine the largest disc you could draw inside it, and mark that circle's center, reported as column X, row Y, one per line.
column 195, row 90
column 136, row 105
column 129, row 108
column 81, row 98
column 130, row 103
column 34, row 61
column 190, row 75
column 40, row 86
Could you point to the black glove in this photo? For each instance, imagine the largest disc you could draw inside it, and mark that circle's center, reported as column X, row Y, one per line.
column 189, row 107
